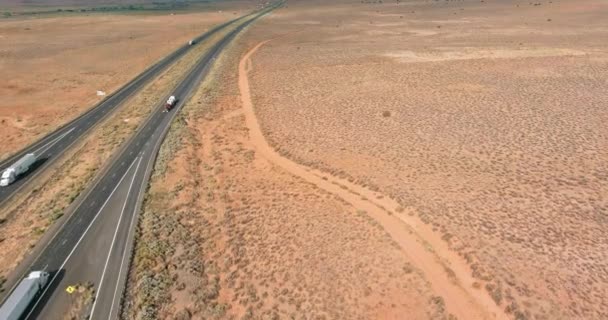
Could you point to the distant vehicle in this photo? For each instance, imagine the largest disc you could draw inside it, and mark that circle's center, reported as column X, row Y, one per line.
column 191, row 42
column 18, row 168
column 14, row 307
column 170, row 103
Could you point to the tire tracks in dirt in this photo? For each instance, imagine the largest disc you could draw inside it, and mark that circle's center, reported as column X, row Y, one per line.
column 448, row 273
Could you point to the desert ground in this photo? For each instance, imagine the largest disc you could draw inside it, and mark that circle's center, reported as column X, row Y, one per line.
column 43, row 206
column 227, row 232
column 29, row 216
column 53, row 66
column 344, row 160
column 485, row 120
column 396, row 160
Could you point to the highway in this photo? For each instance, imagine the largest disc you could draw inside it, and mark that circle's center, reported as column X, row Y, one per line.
column 52, row 146
column 95, row 243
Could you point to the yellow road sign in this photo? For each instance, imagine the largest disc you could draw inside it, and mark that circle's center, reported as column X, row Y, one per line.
column 70, row 289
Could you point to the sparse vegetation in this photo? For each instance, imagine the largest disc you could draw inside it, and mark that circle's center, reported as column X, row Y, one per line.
column 118, row 7
column 487, row 142
column 80, row 301
column 36, row 211
column 248, row 240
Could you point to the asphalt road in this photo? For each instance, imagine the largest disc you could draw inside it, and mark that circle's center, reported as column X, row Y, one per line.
column 94, row 245
column 49, row 148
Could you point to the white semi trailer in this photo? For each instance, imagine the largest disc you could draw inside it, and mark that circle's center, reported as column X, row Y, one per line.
column 18, row 168
column 15, row 306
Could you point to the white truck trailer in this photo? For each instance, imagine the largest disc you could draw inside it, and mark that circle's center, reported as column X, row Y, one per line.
column 15, row 306
column 18, row 168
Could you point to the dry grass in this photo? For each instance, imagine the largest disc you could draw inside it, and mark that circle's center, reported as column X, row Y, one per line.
column 53, row 66
column 81, row 300
column 495, row 133
column 226, row 234
column 26, row 218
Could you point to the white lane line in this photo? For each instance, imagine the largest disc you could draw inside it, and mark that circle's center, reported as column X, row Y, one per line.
column 52, row 142
column 105, row 267
column 77, row 243
column 125, row 253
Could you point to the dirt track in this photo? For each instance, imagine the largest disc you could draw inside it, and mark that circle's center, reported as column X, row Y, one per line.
column 483, row 119
column 448, row 274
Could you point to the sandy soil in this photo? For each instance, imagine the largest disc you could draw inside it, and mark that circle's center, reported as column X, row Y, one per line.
column 483, row 121
column 231, row 229
column 26, row 218
column 52, row 67
column 454, row 286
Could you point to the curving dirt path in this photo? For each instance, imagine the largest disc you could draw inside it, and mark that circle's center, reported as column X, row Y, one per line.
column 448, row 273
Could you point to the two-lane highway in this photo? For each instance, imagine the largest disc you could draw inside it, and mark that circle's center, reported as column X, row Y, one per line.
column 49, row 148
column 94, row 245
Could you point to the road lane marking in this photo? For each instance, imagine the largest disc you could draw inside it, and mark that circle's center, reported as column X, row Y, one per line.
column 124, row 253
column 103, row 274
column 76, row 245
column 142, row 189
column 49, row 144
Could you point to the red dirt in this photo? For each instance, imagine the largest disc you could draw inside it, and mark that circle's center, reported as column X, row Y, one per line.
column 413, row 236
column 483, row 119
column 52, row 67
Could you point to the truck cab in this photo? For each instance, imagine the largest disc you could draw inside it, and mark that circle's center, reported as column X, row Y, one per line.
column 8, row 176
column 170, row 103
column 18, row 168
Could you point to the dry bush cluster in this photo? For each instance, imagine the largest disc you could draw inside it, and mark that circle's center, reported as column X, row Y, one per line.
column 81, row 301
column 52, row 66
column 27, row 217
column 226, row 234
column 496, row 138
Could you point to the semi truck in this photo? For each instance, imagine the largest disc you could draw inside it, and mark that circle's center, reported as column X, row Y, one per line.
column 170, row 103
column 16, row 169
column 191, row 42
column 17, row 303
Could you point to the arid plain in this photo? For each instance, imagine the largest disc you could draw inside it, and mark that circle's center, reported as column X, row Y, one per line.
column 53, row 66
column 485, row 120
column 468, row 134
column 352, row 159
